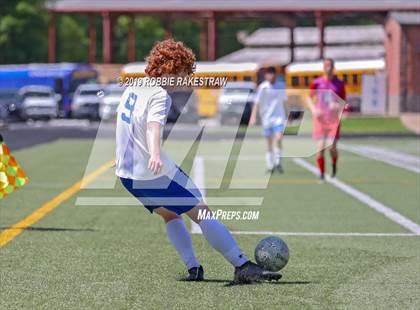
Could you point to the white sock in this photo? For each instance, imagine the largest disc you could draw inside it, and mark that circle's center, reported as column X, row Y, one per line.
column 269, row 160
column 277, row 156
column 181, row 240
column 221, row 239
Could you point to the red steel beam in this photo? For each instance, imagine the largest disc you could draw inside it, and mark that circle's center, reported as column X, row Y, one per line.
column 107, row 37
column 212, row 37
column 167, row 22
column 92, row 39
column 203, row 42
column 320, row 24
column 52, row 38
column 292, row 43
column 131, row 40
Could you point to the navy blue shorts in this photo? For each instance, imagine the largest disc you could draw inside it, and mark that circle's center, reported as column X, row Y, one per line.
column 178, row 194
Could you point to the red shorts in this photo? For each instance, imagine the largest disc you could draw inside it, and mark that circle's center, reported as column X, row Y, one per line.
column 326, row 129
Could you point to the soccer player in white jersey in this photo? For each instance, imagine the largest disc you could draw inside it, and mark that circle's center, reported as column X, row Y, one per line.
column 156, row 181
column 269, row 102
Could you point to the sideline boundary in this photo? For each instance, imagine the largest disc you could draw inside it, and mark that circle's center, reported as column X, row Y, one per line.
column 13, row 231
column 365, row 199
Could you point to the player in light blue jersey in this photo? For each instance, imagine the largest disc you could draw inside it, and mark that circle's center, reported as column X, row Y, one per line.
column 269, row 103
column 156, row 181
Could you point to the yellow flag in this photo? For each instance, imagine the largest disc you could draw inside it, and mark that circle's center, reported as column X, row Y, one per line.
column 11, row 174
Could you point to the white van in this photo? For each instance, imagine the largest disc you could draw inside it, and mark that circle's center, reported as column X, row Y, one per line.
column 110, row 101
column 37, row 102
column 86, row 101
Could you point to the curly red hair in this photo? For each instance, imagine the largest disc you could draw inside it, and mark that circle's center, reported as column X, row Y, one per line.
column 170, row 57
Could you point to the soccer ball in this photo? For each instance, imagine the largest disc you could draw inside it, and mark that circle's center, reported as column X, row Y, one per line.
column 272, row 253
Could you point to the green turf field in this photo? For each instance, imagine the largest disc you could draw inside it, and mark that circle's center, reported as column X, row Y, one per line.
column 369, row 125
column 353, row 125
column 118, row 257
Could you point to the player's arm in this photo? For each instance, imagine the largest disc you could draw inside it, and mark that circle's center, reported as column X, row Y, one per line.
column 343, row 95
column 283, row 102
column 310, row 99
column 254, row 111
column 310, row 103
column 155, row 121
column 253, row 118
column 153, row 141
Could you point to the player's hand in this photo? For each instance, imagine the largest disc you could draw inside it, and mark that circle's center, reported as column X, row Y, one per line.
column 252, row 121
column 155, row 164
column 335, row 106
column 316, row 113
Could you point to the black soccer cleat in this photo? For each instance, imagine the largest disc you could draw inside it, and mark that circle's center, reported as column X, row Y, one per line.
column 269, row 171
column 250, row 273
column 334, row 170
column 195, row 274
column 279, row 168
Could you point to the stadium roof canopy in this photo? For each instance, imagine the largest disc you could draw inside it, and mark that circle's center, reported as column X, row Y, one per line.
column 285, row 13
column 378, row 64
column 229, row 5
column 334, row 35
column 201, row 67
column 282, row 55
column 406, row 18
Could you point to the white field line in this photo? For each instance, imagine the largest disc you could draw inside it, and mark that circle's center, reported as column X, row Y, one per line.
column 132, row 201
column 324, row 234
column 235, row 157
column 364, row 198
column 68, row 123
column 199, row 180
column 394, row 158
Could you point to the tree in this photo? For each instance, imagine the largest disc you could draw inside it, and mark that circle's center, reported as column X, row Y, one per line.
column 23, row 28
column 72, row 38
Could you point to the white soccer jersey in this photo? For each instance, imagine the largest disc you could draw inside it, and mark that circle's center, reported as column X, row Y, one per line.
column 270, row 100
column 138, row 106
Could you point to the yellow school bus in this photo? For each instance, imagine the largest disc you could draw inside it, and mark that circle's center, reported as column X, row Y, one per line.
column 300, row 75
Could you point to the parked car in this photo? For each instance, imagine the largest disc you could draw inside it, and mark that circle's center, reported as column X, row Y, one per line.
column 184, row 101
column 110, row 101
column 8, row 101
column 86, row 101
column 236, row 101
column 36, row 102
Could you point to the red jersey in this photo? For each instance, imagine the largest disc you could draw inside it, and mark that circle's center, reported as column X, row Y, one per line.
column 329, row 95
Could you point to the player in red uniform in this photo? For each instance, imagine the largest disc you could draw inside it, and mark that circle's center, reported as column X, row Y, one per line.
column 327, row 94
